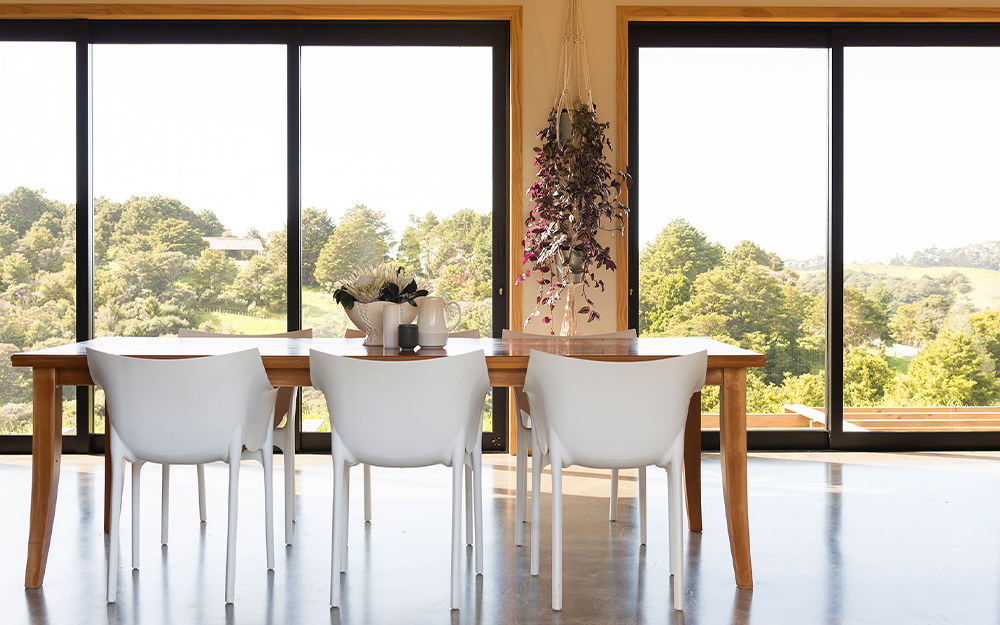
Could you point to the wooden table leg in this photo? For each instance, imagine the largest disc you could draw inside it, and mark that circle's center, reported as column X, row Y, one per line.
column 733, row 441
column 46, row 452
column 692, row 463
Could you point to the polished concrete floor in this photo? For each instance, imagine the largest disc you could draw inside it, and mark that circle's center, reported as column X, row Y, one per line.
column 836, row 538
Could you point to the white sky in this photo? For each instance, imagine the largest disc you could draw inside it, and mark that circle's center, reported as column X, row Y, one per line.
column 734, row 140
column 400, row 130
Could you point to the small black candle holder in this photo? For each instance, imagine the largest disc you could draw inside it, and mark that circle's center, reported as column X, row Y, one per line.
column 408, row 339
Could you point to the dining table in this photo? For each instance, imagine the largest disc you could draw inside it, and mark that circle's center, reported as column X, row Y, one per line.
column 287, row 364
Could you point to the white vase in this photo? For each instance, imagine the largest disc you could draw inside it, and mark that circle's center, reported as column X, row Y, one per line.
column 368, row 319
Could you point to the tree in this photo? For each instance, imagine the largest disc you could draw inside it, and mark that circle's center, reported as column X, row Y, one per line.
column 668, row 266
column 986, row 326
column 361, row 237
column 175, row 235
column 951, row 370
column 211, row 275
column 751, row 305
column 865, row 320
column 15, row 269
column 918, row 323
column 414, row 248
column 262, row 283
column 317, row 228
column 680, row 248
column 867, row 375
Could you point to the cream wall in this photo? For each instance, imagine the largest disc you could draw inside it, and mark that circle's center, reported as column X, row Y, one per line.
column 543, row 27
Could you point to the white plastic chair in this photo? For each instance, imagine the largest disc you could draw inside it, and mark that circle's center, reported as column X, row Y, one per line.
column 649, row 401
column 351, row 333
column 438, row 420
column 285, row 409
column 185, row 411
column 523, row 411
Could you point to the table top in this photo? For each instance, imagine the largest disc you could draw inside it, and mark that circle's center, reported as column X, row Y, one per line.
column 294, row 353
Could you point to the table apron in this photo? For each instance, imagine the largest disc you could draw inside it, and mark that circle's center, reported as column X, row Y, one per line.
column 499, row 376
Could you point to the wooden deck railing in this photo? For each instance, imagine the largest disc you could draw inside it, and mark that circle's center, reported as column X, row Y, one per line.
column 881, row 418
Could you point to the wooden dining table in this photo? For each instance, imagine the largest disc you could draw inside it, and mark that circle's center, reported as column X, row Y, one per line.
column 287, row 364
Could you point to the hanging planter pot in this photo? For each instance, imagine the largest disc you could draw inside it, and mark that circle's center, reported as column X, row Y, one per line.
column 575, row 194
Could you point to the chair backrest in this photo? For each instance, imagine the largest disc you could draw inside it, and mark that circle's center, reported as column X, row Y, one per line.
column 620, row 334
column 186, row 410
column 611, row 414
column 286, row 394
column 351, row 333
column 520, row 401
column 402, row 413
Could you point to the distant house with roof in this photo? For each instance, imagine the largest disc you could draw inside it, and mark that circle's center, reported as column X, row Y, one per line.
column 234, row 247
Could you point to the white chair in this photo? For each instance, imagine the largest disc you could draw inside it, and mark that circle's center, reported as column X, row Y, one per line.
column 649, row 401
column 186, row 411
column 351, row 333
column 523, row 412
column 287, row 405
column 442, row 426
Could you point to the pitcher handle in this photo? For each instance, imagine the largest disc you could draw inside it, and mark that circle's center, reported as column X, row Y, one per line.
column 459, row 309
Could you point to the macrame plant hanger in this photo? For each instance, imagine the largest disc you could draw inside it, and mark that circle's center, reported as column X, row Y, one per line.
column 572, row 95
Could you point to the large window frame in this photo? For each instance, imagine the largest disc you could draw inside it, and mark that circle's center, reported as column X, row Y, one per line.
column 496, row 27
column 671, row 30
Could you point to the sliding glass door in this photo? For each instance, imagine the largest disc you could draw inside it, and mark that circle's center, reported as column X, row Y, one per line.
column 825, row 195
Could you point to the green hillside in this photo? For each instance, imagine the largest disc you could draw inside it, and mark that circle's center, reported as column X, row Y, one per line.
column 985, row 293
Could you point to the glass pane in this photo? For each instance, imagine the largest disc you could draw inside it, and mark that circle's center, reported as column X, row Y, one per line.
column 37, row 218
column 190, row 186
column 732, row 222
column 396, row 165
column 921, row 297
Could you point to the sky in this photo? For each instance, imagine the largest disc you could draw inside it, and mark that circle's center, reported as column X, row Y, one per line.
column 734, row 140
column 403, row 131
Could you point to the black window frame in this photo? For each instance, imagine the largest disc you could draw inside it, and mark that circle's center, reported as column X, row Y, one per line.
column 835, row 37
column 293, row 35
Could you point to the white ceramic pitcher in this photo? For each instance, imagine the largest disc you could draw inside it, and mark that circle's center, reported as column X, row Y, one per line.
column 432, row 327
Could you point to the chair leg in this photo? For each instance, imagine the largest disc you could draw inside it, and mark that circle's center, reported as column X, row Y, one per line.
column 556, row 533
column 469, row 523
column 338, row 528
column 524, row 477
column 368, row 493
column 345, row 510
column 520, row 483
column 288, row 449
column 457, row 464
column 675, row 504
column 613, row 509
column 202, row 510
column 537, row 464
column 136, row 467
column 477, row 477
column 268, row 461
column 642, row 505
column 234, row 490
column 115, row 524
column 164, row 503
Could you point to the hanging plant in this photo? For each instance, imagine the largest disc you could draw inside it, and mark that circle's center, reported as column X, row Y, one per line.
column 576, row 198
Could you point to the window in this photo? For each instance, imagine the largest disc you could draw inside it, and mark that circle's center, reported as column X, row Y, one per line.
column 856, row 163
column 188, row 138
column 921, row 256
column 733, row 147
column 414, row 187
column 190, row 188
column 37, row 218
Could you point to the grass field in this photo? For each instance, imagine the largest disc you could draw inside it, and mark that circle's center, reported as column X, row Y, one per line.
column 985, row 293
